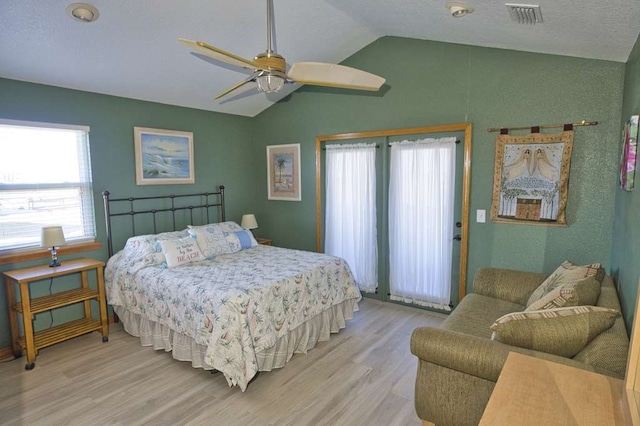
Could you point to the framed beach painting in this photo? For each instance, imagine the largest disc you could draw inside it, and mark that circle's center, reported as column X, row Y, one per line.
column 283, row 172
column 163, row 157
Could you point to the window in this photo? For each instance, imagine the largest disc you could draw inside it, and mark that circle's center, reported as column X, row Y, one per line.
column 45, row 179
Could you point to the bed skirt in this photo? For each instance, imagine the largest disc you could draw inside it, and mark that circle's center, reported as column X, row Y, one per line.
column 184, row 348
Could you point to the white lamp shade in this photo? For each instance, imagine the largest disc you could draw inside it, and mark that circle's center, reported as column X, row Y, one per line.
column 249, row 221
column 52, row 236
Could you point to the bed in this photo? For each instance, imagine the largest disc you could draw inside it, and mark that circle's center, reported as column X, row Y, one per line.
column 238, row 310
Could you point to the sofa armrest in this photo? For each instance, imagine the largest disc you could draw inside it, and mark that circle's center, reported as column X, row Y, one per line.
column 473, row 355
column 506, row 284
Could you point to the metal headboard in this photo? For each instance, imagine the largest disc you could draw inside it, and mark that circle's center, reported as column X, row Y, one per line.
column 203, row 204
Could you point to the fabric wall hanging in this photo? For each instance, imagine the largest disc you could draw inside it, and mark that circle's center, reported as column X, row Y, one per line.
column 531, row 177
column 629, row 150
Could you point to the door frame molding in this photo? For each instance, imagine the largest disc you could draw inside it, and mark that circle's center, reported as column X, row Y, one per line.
column 466, row 180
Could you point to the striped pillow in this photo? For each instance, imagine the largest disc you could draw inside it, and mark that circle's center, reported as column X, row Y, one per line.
column 573, row 293
column 566, row 273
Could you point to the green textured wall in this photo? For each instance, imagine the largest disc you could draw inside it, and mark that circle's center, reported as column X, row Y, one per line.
column 625, row 248
column 221, row 145
column 428, row 83
column 434, row 83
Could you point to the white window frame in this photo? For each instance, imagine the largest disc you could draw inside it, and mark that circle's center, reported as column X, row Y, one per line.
column 84, row 185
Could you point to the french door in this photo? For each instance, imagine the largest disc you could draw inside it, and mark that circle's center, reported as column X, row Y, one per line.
column 414, row 256
column 421, row 221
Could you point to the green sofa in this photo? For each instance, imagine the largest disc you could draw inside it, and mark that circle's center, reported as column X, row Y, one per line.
column 459, row 364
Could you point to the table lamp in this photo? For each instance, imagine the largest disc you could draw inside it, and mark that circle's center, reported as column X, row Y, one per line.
column 52, row 236
column 249, row 221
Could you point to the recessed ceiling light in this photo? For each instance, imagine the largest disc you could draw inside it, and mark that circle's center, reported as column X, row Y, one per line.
column 458, row 10
column 82, row 12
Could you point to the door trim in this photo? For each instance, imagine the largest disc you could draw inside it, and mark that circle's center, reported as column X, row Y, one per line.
column 466, row 180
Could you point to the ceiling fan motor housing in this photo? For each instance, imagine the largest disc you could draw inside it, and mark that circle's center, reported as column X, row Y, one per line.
column 270, row 61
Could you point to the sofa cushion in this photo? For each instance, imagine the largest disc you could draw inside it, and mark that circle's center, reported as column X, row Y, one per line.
column 609, row 350
column 573, row 293
column 475, row 314
column 560, row 331
column 566, row 273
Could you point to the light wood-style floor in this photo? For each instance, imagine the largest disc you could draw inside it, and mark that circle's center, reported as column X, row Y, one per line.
column 363, row 376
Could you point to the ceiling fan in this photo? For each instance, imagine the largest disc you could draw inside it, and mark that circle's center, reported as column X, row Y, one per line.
column 270, row 69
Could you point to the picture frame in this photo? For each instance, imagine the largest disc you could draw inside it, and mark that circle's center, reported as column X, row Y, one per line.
column 283, row 172
column 629, row 153
column 163, row 157
column 531, row 179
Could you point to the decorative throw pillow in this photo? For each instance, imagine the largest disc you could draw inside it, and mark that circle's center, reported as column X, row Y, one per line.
column 576, row 293
column 142, row 250
column 240, row 240
column 180, row 252
column 559, row 331
column 567, row 272
column 211, row 239
column 228, row 226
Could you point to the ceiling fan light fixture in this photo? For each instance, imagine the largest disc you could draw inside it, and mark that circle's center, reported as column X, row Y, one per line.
column 270, row 83
column 458, row 10
column 83, row 12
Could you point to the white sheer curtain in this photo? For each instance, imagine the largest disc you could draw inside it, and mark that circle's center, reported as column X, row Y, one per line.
column 350, row 216
column 421, row 201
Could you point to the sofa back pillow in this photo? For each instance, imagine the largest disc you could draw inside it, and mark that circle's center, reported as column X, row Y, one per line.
column 560, row 331
column 566, row 273
column 574, row 293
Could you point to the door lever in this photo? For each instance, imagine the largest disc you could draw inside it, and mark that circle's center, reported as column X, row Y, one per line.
column 457, row 237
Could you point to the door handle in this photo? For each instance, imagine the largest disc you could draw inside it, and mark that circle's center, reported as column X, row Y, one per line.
column 457, row 237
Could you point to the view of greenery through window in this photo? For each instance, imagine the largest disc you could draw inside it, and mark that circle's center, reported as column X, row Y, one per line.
column 45, row 179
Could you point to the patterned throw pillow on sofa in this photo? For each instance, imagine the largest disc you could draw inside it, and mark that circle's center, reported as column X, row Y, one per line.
column 559, row 331
column 576, row 293
column 567, row 274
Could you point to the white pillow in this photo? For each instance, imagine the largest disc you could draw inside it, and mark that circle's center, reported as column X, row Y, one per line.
column 181, row 252
column 211, row 239
column 144, row 250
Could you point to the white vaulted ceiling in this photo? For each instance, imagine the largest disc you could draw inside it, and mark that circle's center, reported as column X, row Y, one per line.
column 132, row 49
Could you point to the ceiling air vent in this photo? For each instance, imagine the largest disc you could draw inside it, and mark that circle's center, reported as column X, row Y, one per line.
column 525, row 13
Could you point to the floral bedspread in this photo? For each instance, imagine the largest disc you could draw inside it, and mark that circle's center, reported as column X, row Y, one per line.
column 237, row 304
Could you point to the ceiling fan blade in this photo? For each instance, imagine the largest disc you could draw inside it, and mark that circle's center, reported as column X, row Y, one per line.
column 219, row 54
column 332, row 75
column 245, row 85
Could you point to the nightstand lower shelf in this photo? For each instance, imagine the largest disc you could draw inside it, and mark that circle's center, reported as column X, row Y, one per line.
column 65, row 331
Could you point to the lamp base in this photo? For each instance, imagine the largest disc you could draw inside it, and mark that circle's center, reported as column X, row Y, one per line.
column 54, row 258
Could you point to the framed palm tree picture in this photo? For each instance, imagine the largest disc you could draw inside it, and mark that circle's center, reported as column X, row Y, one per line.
column 283, row 172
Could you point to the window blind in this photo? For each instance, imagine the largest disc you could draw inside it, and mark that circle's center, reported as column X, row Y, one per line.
column 45, row 179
